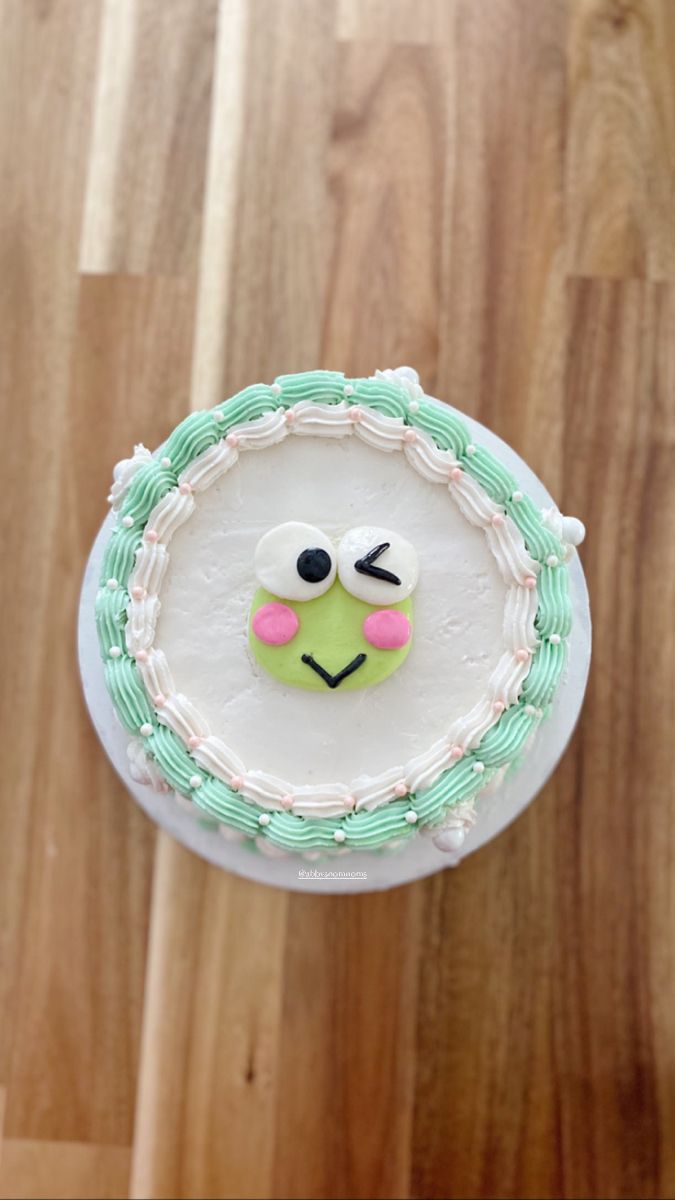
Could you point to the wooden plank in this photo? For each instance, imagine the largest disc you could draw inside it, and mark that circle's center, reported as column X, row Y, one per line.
column 347, row 1056
column 46, row 80
column 559, row 1082
column 63, row 1171
column 132, row 366
column 148, row 150
column 208, row 1077
column 485, row 1120
column 428, row 22
column 502, row 320
column 80, row 983
column 279, row 269
column 613, row 1017
column 621, row 139
column 386, row 172
column 209, row 369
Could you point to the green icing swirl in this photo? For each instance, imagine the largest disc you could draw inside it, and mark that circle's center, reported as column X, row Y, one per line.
column 539, row 540
column 172, row 758
column 492, row 476
column 457, row 784
column 146, row 489
column 118, row 559
column 247, row 405
column 448, row 432
column 385, row 397
column 322, row 387
column 192, row 437
column 219, row 801
column 128, row 694
column 544, row 674
column 501, row 745
column 506, row 739
column 111, row 618
column 554, row 614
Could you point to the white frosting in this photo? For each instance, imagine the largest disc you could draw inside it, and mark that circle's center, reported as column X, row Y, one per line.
column 385, row 433
column 506, row 543
column 474, row 616
column 219, row 759
column 205, row 469
column 406, row 376
column 152, row 559
column 519, row 614
column 143, row 769
column 570, row 530
column 172, row 511
column 180, row 714
column 141, row 624
column 124, row 473
column 424, row 455
column 265, row 431
column 156, row 675
column 321, row 420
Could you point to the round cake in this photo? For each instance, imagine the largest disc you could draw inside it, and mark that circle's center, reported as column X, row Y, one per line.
column 329, row 619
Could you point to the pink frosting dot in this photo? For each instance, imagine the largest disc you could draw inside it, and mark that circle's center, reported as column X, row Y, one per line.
column 232, row 439
column 151, row 535
column 456, row 474
column 236, row 782
column 275, row 624
column 456, row 753
column 400, row 789
column 387, row 629
column 194, row 741
column 410, row 435
column 287, row 802
column 349, row 803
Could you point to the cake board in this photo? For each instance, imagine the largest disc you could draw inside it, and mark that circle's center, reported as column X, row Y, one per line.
column 356, row 871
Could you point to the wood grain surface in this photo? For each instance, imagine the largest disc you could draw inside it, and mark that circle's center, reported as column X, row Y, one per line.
column 196, row 195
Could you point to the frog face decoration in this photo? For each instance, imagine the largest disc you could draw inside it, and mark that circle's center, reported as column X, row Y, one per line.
column 332, row 617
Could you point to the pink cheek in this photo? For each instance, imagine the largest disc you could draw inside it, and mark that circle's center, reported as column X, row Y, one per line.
column 387, row 629
column 275, row 624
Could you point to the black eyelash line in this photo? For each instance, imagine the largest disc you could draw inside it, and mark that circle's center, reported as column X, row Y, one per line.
column 365, row 565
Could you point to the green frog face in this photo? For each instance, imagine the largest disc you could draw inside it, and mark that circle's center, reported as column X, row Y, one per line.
column 327, row 617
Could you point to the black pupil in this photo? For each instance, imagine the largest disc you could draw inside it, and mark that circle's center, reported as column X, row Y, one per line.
column 313, row 564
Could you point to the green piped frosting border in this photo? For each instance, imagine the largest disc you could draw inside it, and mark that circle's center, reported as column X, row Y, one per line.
column 500, row 746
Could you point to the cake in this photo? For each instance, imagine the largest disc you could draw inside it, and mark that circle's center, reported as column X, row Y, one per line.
column 329, row 619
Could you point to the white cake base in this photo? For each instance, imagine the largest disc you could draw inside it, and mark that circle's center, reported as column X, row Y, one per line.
column 356, row 871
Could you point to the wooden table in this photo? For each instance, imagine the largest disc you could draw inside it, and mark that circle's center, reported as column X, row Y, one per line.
column 195, row 197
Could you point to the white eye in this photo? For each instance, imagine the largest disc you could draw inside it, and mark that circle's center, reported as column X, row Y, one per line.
column 377, row 565
column 295, row 561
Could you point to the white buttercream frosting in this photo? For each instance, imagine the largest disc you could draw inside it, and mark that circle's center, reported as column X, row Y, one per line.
column 142, row 768
column 124, row 473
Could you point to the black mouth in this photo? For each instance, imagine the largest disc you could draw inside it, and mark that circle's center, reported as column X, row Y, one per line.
column 334, row 681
